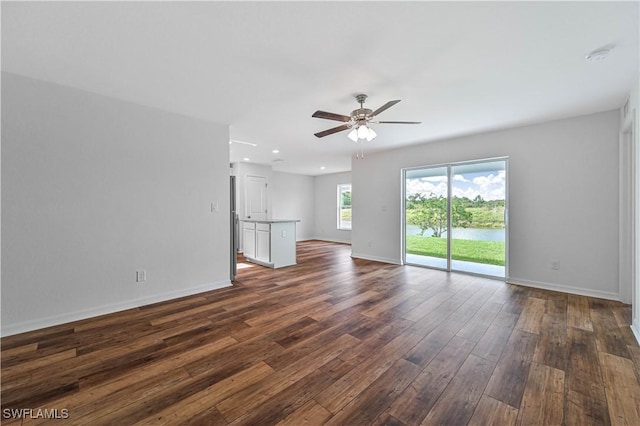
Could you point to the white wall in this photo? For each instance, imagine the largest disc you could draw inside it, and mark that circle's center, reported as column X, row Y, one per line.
column 292, row 197
column 563, row 197
column 93, row 189
column 326, row 207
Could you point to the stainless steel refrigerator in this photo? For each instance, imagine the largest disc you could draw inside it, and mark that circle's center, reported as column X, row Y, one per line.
column 234, row 223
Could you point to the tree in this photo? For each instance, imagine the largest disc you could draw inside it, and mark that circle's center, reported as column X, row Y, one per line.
column 428, row 213
column 346, row 198
column 431, row 213
column 478, row 201
column 460, row 217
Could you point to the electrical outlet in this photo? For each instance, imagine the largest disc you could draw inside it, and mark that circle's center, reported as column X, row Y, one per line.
column 141, row 275
column 370, row 244
column 555, row 264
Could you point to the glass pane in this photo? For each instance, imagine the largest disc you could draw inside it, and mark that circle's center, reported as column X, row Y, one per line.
column 426, row 217
column 478, row 231
column 344, row 206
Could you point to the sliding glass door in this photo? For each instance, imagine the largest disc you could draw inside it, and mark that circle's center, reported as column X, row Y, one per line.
column 455, row 217
column 426, row 217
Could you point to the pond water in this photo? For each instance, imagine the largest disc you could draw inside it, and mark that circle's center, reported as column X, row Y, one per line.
column 464, row 233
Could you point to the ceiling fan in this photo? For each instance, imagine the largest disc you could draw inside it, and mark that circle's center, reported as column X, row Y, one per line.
column 358, row 120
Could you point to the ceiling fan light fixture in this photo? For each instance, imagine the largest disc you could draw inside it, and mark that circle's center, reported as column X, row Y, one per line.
column 363, row 131
column 353, row 135
column 371, row 135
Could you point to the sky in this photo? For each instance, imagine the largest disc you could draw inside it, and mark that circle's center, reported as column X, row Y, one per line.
column 489, row 185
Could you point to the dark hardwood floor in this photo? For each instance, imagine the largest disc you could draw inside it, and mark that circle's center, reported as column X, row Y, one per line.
column 336, row 340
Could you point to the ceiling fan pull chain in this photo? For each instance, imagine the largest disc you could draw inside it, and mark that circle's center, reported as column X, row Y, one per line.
column 360, row 155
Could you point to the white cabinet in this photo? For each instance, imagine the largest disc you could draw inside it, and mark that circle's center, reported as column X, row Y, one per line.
column 249, row 239
column 270, row 243
column 263, row 242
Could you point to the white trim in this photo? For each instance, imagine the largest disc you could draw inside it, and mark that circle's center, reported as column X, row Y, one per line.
column 342, row 186
column 635, row 329
column 565, row 289
column 108, row 309
column 626, row 218
column 376, row 258
column 330, row 240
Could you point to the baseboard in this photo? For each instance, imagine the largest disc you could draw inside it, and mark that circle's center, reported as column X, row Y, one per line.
column 38, row 324
column 565, row 289
column 376, row 258
column 635, row 329
column 331, row 240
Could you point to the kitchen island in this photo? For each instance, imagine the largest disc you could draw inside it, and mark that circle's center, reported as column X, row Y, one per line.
column 270, row 242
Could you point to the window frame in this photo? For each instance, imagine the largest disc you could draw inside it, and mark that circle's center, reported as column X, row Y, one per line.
column 343, row 187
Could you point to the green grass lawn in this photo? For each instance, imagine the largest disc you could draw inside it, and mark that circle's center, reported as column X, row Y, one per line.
column 490, row 252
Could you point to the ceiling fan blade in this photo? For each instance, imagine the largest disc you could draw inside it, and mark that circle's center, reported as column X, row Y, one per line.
column 331, row 116
column 332, row 131
column 384, row 107
column 398, row 122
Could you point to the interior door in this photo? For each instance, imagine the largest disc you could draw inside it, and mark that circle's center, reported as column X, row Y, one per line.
column 256, row 197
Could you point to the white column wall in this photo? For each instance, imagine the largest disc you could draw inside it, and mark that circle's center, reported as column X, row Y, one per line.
column 94, row 189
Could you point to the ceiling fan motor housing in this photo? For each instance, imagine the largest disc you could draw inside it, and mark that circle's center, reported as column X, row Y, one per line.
column 360, row 113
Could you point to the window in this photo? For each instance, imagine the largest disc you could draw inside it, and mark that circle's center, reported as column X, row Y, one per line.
column 344, row 206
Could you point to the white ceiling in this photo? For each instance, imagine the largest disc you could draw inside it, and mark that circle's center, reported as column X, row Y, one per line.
column 264, row 67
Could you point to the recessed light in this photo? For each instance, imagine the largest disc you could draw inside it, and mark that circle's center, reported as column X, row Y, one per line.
column 598, row 54
column 246, row 159
column 275, row 151
column 322, row 168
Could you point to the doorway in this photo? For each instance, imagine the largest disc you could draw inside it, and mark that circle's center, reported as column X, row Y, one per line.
column 256, row 197
column 455, row 217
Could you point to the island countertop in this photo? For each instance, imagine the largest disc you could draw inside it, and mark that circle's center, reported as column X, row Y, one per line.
column 269, row 220
column 270, row 242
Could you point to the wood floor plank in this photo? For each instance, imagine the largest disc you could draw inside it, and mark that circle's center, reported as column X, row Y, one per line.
column 310, row 413
column 478, row 325
column 491, row 412
column 345, row 389
column 609, row 336
column 251, row 397
column 532, row 315
column 509, row 379
column 125, row 388
column 578, row 314
column 336, row 340
column 458, row 402
column 377, row 397
column 280, row 405
column 542, row 402
column 415, row 402
column 186, row 409
column 586, row 402
column 552, row 345
column 10, row 354
column 493, row 341
column 622, row 389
